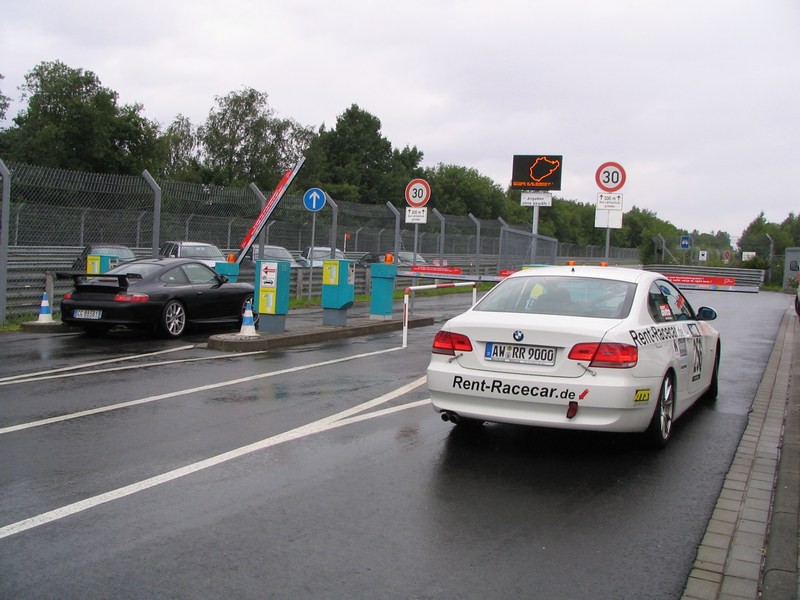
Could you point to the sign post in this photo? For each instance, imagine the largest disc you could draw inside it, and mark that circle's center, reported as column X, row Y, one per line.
column 418, row 192
column 610, row 177
column 536, row 173
column 314, row 199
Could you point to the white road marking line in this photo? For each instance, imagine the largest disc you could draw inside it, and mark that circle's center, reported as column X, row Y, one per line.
column 37, row 378
column 338, row 420
column 202, row 388
column 25, row 376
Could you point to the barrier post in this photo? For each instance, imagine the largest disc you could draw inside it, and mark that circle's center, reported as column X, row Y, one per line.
column 437, row 286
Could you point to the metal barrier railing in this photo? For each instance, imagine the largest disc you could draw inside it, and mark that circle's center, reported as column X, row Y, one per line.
column 437, row 286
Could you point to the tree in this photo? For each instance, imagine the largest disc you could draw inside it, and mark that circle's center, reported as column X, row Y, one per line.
column 353, row 160
column 182, row 149
column 4, row 102
column 71, row 121
column 764, row 238
column 405, row 167
column 461, row 191
column 244, row 142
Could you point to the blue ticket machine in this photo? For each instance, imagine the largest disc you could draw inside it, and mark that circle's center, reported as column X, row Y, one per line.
column 338, row 290
column 382, row 296
column 100, row 263
column 271, row 297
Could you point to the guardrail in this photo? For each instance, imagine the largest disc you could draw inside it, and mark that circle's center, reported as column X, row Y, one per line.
column 711, row 278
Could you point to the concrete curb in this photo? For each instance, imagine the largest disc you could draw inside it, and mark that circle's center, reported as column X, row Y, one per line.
column 744, row 527
column 780, row 575
column 47, row 327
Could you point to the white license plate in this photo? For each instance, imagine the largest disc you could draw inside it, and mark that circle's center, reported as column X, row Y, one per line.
column 516, row 353
column 82, row 313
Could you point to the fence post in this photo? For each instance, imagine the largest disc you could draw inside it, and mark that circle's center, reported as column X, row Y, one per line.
column 5, row 215
column 441, row 235
column 477, row 245
column 396, row 247
column 156, row 210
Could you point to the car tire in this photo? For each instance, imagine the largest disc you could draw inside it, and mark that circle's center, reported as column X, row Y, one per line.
column 172, row 323
column 660, row 429
column 713, row 389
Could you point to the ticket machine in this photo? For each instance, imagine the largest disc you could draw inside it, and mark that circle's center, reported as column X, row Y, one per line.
column 382, row 294
column 100, row 263
column 338, row 291
column 271, row 297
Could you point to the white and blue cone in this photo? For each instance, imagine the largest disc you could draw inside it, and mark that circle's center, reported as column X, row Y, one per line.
column 248, row 325
column 45, row 316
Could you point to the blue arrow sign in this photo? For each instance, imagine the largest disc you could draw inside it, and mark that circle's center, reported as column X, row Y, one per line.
column 314, row 199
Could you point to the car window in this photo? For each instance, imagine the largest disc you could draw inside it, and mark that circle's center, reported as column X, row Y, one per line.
column 175, row 276
column 199, row 274
column 571, row 296
column 202, row 252
column 667, row 303
column 277, row 254
column 325, row 253
column 142, row 269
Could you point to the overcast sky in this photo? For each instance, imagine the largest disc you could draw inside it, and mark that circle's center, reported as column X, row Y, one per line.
column 698, row 100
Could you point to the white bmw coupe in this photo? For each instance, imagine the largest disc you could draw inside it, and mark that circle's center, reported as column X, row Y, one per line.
column 577, row 347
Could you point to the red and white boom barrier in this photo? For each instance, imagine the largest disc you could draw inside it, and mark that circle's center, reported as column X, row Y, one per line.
column 437, row 286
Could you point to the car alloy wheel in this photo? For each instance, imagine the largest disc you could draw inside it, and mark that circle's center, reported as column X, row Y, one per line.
column 660, row 428
column 173, row 319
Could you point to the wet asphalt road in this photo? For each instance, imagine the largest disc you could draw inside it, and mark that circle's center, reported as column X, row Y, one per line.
column 321, row 472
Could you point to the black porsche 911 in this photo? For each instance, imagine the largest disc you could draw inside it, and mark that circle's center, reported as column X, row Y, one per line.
column 165, row 295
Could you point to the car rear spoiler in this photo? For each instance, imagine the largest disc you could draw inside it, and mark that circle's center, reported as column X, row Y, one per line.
column 121, row 279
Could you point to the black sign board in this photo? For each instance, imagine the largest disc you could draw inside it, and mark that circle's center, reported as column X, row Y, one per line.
column 536, row 172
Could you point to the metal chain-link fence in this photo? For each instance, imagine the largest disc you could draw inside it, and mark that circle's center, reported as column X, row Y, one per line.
column 53, row 207
column 54, row 212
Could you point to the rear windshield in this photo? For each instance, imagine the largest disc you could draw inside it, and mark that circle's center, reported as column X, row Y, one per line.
column 138, row 268
column 201, row 252
column 326, row 253
column 276, row 253
column 571, row 296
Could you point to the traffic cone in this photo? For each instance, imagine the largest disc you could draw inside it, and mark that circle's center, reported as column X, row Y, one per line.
column 45, row 316
column 248, row 325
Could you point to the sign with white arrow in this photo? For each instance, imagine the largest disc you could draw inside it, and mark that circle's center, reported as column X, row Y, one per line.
column 314, row 199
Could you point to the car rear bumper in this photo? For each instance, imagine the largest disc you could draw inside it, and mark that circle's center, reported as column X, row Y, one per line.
column 614, row 405
column 127, row 314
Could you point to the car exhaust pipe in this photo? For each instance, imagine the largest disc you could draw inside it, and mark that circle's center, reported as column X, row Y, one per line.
column 450, row 416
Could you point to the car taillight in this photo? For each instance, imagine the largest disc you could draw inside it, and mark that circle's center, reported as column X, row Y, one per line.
column 68, row 296
column 449, row 343
column 131, row 298
column 612, row 356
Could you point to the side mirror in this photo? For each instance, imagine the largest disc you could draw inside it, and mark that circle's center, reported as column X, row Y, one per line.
column 705, row 313
column 222, row 279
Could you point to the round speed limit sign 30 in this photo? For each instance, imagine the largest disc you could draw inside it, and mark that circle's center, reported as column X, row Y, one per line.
column 610, row 177
column 418, row 192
